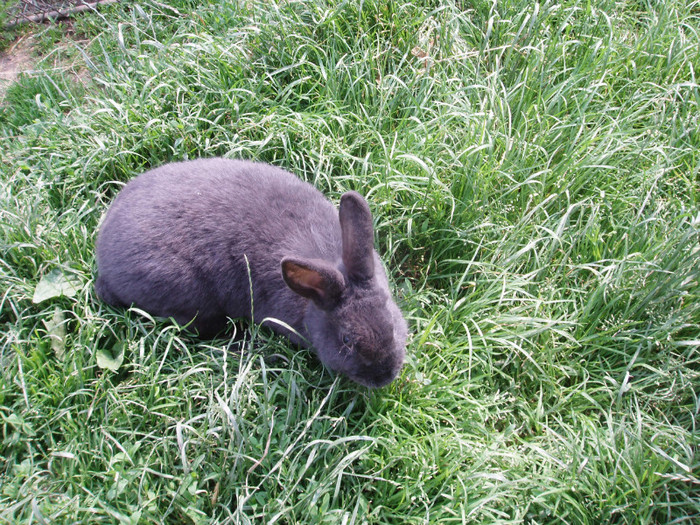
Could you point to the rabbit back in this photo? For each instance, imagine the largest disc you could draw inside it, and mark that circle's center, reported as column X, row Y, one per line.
column 189, row 240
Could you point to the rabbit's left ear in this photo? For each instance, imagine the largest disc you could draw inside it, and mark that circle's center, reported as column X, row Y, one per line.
column 358, row 236
column 314, row 279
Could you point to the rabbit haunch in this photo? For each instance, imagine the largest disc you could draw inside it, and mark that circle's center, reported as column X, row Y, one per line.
column 189, row 240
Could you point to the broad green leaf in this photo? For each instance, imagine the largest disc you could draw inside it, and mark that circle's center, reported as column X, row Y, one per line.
column 19, row 424
column 56, row 331
column 111, row 360
column 56, row 283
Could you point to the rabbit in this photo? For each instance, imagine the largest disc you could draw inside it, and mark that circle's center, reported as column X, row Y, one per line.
column 190, row 240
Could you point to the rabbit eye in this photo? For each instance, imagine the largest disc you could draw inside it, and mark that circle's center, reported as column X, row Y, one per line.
column 346, row 341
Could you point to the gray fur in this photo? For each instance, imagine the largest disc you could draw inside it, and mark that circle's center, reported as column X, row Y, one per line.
column 178, row 242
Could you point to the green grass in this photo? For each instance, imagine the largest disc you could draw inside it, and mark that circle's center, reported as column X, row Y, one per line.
column 534, row 173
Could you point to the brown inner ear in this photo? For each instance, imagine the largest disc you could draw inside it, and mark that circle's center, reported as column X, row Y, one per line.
column 313, row 279
column 306, row 278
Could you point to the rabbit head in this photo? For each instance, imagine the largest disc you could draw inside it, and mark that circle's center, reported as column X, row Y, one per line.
column 351, row 319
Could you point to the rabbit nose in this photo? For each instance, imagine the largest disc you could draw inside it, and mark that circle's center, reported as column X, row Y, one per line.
column 384, row 376
column 384, row 380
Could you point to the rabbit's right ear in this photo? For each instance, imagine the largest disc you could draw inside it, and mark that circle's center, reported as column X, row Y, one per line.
column 314, row 279
column 358, row 236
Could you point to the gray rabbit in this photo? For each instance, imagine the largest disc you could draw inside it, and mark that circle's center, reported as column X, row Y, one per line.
column 190, row 240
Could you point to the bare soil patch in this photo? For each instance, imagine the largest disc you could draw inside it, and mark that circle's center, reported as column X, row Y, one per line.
column 16, row 59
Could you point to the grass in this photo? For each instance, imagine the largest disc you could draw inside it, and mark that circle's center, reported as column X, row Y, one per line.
column 533, row 170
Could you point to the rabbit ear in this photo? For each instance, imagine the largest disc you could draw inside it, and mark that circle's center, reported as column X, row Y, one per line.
column 314, row 279
column 358, row 236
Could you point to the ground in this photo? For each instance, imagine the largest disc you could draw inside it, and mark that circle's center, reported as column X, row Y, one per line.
column 16, row 59
column 50, row 42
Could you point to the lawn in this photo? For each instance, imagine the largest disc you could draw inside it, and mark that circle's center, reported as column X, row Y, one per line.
column 534, row 174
